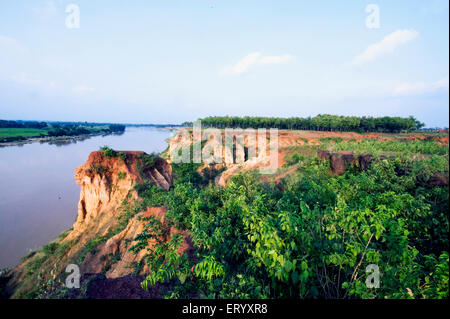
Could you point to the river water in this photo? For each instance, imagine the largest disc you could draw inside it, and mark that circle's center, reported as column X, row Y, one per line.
column 38, row 194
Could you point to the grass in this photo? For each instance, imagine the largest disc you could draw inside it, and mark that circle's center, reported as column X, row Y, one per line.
column 28, row 256
column 18, row 132
column 304, row 150
column 35, row 264
column 49, row 249
column 392, row 147
column 90, row 247
column 62, row 249
column 99, row 169
column 113, row 258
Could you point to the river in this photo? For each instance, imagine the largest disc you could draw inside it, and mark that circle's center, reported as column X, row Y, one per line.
column 38, row 194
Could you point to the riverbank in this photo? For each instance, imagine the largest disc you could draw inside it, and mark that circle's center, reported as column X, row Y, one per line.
column 65, row 140
column 38, row 196
column 14, row 133
column 56, row 140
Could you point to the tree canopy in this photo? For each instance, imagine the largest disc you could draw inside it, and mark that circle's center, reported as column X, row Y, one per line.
column 321, row 122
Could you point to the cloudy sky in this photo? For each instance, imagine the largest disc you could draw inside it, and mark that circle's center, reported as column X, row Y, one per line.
column 171, row 61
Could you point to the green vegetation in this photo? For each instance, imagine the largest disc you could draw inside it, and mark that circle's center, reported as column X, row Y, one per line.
column 98, row 169
column 112, row 259
column 320, row 122
column 28, row 256
column 34, row 265
column 108, row 152
column 393, row 147
column 63, row 249
column 11, row 131
column 312, row 235
column 147, row 160
column 294, row 159
column 403, row 149
column 121, row 175
column 330, row 139
column 25, row 132
column 122, row 156
column 50, row 248
column 90, row 247
column 43, row 270
column 74, row 130
column 22, row 124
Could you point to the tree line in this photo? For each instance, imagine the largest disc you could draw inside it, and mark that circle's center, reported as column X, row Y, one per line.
column 22, row 124
column 62, row 128
column 56, row 125
column 321, row 122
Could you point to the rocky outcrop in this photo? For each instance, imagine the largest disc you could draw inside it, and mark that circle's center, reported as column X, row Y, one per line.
column 99, row 236
column 324, row 155
column 339, row 162
column 365, row 161
column 105, row 182
column 120, row 244
column 438, row 179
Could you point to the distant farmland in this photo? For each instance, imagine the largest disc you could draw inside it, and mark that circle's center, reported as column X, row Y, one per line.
column 27, row 132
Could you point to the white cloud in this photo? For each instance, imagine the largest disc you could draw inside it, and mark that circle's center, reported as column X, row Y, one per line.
column 421, row 87
column 252, row 60
column 386, row 46
column 81, row 89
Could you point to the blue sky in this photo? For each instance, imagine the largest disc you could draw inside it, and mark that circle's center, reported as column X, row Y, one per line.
column 173, row 61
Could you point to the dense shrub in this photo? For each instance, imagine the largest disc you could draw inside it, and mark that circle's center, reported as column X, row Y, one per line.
column 108, row 152
column 314, row 239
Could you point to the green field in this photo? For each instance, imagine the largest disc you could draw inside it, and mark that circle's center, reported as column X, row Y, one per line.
column 25, row 132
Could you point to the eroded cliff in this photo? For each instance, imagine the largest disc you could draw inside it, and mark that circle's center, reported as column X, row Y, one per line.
column 106, row 181
column 107, row 223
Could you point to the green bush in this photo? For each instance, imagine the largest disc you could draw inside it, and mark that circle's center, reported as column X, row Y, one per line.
column 34, row 264
column 122, row 156
column 312, row 239
column 99, row 169
column 90, row 247
column 108, row 152
column 49, row 249
column 147, row 160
